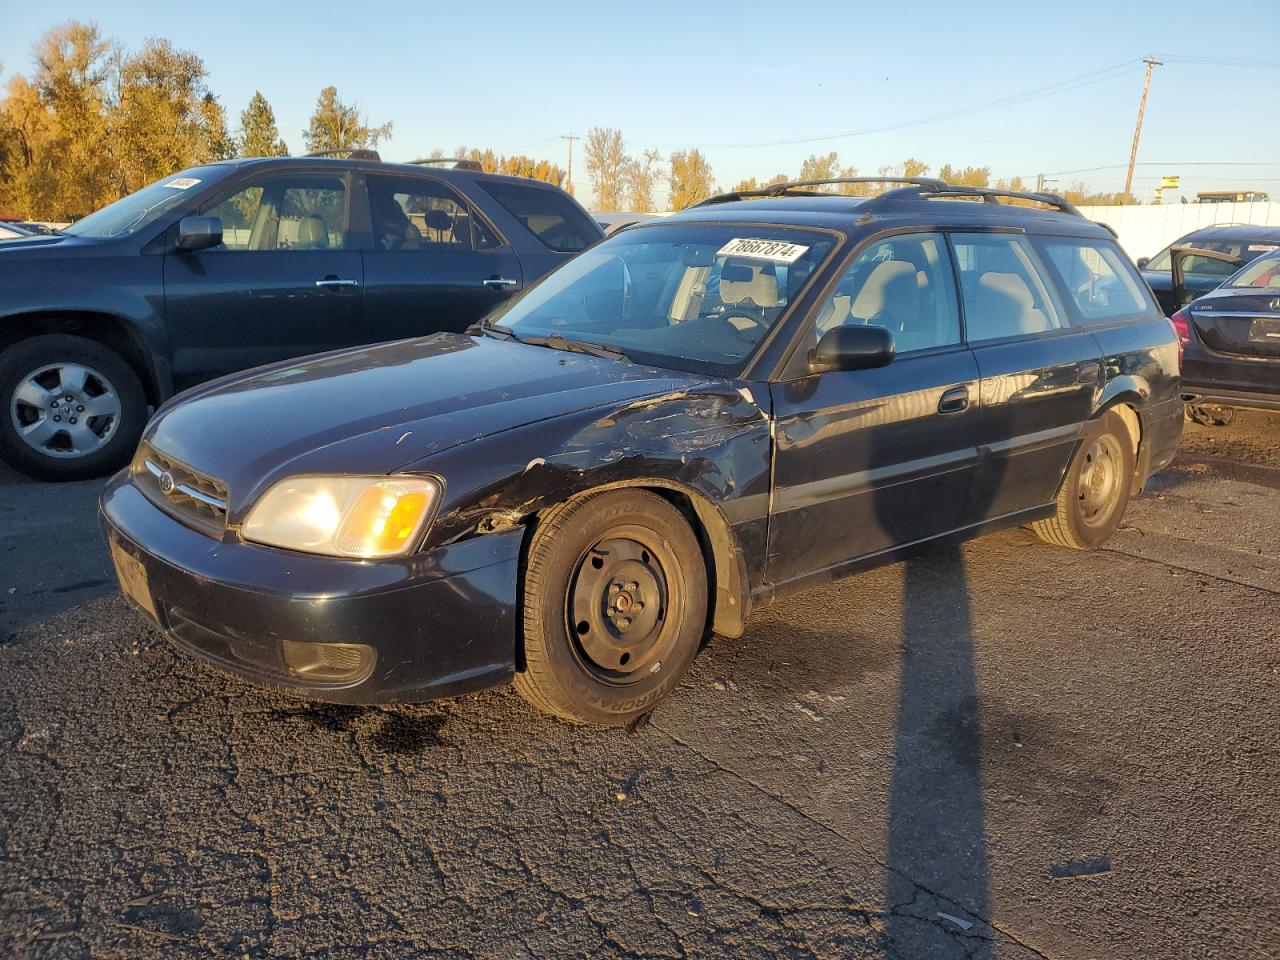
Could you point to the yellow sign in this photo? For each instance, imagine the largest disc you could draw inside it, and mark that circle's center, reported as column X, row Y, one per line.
column 1169, row 183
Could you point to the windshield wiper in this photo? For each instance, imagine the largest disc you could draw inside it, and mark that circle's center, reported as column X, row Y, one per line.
column 497, row 330
column 558, row 341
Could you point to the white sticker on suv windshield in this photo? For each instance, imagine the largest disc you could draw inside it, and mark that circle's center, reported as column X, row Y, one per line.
column 775, row 251
column 1254, row 247
column 182, row 183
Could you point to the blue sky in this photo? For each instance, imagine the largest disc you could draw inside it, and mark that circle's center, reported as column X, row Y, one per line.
column 1023, row 87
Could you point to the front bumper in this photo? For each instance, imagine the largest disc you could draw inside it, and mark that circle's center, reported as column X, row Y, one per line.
column 433, row 625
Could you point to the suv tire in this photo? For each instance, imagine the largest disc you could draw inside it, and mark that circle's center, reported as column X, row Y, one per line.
column 615, row 607
column 1095, row 490
column 54, row 384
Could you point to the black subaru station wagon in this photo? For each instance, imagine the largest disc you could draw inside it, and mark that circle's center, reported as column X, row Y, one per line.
column 231, row 265
column 768, row 390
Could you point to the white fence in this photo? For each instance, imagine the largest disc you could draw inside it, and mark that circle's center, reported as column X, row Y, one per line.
column 1146, row 229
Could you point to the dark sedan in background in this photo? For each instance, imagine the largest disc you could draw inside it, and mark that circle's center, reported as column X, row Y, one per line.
column 1231, row 342
column 235, row 264
column 1244, row 242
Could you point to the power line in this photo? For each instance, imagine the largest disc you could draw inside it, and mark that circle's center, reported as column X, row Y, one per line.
column 1096, row 76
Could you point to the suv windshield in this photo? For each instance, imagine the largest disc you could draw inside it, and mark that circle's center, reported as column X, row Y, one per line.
column 138, row 210
column 691, row 297
column 1246, row 250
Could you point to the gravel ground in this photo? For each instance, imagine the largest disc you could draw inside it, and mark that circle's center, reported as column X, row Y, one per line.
column 995, row 750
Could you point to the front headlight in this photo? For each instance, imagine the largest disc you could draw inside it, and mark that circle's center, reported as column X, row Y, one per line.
column 364, row 517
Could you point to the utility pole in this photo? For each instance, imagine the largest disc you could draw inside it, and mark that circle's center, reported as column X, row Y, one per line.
column 1151, row 63
column 570, row 137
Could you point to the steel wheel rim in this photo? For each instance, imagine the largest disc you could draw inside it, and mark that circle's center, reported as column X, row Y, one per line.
column 1100, row 479
column 618, row 607
column 65, row 410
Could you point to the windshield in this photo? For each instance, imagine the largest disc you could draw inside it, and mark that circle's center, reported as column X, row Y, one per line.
column 691, row 297
column 127, row 216
column 1262, row 274
column 1246, row 250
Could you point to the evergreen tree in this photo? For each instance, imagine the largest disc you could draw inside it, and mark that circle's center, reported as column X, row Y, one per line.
column 259, row 135
column 336, row 126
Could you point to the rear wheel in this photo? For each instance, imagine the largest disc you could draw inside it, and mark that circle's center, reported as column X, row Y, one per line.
column 1095, row 490
column 69, row 408
column 615, row 606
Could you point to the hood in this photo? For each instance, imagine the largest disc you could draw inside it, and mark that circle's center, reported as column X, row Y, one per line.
column 376, row 409
column 55, row 244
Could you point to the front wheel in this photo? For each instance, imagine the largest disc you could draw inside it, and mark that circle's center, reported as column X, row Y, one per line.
column 615, row 607
column 71, row 408
column 1095, row 490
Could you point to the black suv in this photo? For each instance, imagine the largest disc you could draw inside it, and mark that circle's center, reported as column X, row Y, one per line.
column 236, row 264
column 693, row 417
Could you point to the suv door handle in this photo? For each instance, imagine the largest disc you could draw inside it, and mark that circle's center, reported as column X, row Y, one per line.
column 333, row 283
column 954, row 400
column 1088, row 372
column 500, row 283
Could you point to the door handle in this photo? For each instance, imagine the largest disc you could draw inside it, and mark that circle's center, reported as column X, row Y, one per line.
column 500, row 283
column 334, row 283
column 1088, row 372
column 954, row 400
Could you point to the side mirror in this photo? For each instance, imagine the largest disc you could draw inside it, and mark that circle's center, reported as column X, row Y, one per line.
column 199, row 233
column 852, row 347
column 1142, row 262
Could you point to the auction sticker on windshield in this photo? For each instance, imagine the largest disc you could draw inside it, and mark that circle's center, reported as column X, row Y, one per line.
column 775, row 251
column 182, row 183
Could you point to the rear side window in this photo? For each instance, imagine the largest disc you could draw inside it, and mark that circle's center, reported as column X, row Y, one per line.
column 1262, row 274
column 1097, row 278
column 1004, row 293
column 548, row 214
column 417, row 213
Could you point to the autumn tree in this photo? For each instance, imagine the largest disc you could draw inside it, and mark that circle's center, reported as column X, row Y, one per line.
column 166, row 118
column 965, row 176
column 516, row 165
column 642, row 177
column 259, row 135
column 691, row 179
column 826, row 166
column 607, row 164
column 336, row 126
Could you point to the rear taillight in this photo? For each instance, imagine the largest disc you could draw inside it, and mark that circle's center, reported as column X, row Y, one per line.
column 1181, row 323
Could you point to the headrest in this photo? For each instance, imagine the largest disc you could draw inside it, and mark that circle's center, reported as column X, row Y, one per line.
column 874, row 294
column 1008, row 285
column 759, row 284
column 439, row 220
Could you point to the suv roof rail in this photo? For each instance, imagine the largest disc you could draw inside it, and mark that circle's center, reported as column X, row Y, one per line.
column 351, row 153
column 797, row 186
column 459, row 163
column 916, row 187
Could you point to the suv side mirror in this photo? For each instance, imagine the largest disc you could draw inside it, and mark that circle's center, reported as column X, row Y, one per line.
column 852, row 347
column 1142, row 262
column 199, row 233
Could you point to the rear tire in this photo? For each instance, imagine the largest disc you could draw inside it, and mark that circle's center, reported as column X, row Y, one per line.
column 1095, row 490
column 70, row 408
column 615, row 607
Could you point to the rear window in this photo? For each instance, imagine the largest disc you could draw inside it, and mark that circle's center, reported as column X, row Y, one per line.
column 1097, row 279
column 1262, row 274
column 549, row 215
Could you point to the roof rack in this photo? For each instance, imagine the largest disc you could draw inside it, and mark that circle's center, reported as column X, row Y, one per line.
column 916, row 187
column 352, row 153
column 797, row 187
column 459, row 163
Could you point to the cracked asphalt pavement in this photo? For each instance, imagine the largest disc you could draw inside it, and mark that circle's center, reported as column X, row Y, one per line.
column 1000, row 749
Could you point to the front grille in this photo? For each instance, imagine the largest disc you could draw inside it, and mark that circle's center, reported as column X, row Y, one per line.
column 192, row 497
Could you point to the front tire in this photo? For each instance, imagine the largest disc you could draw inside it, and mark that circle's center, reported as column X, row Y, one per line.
column 70, row 408
column 1095, row 490
column 615, row 607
